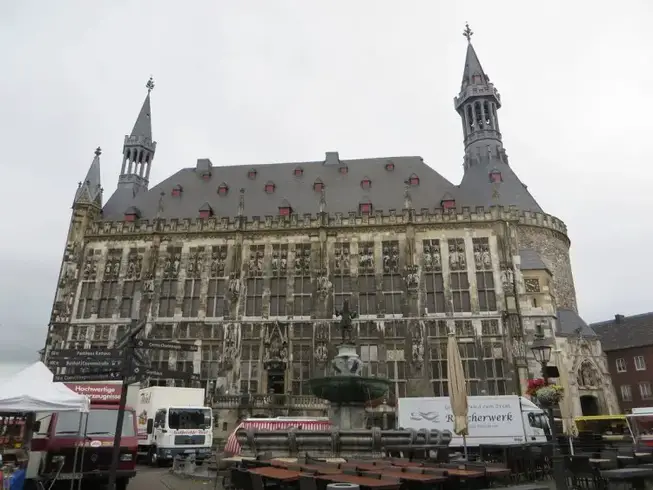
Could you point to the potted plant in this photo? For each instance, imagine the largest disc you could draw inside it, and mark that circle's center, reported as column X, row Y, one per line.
column 547, row 394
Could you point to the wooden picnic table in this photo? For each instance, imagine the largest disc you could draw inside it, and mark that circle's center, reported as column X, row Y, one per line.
column 458, row 473
column 363, row 481
column 321, row 469
column 414, row 477
column 278, row 474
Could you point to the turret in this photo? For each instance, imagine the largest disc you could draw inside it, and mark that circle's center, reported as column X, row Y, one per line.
column 138, row 150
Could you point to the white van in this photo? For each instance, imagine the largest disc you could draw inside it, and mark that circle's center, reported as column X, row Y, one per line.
column 492, row 419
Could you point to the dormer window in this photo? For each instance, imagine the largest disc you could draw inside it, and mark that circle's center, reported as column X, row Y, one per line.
column 365, row 207
column 343, row 170
column 269, row 187
column 285, row 209
column 298, row 172
column 366, row 183
column 495, row 176
column 132, row 214
column 390, row 166
column 318, row 185
column 177, row 190
column 206, row 211
column 413, row 180
column 223, row 189
column 206, row 175
column 448, row 203
column 251, row 173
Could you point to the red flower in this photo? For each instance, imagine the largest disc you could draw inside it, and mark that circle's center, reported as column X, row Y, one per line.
column 534, row 385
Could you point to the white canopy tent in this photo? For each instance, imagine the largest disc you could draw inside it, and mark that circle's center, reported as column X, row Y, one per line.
column 32, row 390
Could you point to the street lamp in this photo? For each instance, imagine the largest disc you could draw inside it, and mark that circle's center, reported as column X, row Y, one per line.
column 542, row 352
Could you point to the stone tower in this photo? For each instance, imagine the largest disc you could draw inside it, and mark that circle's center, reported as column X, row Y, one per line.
column 87, row 207
column 138, row 150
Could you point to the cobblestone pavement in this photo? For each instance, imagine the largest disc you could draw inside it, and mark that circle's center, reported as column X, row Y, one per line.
column 161, row 478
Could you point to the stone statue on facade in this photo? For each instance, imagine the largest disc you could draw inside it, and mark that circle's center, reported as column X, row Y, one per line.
column 346, row 326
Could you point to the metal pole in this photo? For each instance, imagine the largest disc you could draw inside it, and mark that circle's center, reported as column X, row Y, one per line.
column 556, row 459
column 115, row 458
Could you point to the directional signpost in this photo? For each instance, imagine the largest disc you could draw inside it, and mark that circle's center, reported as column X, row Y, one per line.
column 122, row 363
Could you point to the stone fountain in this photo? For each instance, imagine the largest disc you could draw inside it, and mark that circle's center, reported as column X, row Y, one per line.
column 346, row 390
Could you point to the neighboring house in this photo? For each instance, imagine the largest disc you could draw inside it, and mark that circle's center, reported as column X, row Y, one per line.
column 628, row 343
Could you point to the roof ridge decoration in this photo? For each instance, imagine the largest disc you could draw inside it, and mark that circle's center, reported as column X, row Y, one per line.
column 89, row 191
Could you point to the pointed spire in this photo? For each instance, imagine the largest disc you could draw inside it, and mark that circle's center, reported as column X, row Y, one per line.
column 90, row 190
column 138, row 149
column 143, row 125
column 473, row 73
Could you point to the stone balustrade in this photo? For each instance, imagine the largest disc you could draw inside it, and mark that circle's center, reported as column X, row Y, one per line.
column 334, row 443
column 295, row 402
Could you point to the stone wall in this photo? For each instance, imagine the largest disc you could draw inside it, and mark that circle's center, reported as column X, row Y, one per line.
column 553, row 248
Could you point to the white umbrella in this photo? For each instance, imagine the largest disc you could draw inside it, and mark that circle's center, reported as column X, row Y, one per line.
column 566, row 409
column 457, row 389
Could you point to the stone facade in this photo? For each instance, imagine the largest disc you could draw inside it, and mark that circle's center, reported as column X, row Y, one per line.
column 258, row 291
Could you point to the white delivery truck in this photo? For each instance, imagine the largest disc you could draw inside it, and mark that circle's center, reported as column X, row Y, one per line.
column 492, row 419
column 171, row 422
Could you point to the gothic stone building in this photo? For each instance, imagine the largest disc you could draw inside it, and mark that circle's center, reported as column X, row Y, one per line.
column 251, row 263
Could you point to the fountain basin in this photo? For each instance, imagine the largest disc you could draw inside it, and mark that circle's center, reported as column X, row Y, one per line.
column 349, row 389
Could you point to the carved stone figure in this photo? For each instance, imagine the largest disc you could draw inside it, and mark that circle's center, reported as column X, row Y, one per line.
column 411, row 278
column 230, row 347
column 134, row 266
column 391, row 259
column 345, row 324
column 234, row 286
column 366, row 258
column 276, row 344
column 90, row 268
column 482, row 257
column 587, row 375
column 302, row 260
column 218, row 263
column 342, row 258
column 508, row 279
column 171, row 266
column 457, row 256
column 432, row 257
column 321, row 342
column 323, row 286
column 194, row 264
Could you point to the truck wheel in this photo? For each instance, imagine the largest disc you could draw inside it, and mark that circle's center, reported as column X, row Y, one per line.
column 152, row 458
column 121, row 483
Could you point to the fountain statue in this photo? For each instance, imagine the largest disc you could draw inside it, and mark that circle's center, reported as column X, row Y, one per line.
column 346, row 390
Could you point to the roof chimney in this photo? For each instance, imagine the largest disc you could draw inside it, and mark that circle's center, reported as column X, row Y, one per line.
column 619, row 319
column 332, row 158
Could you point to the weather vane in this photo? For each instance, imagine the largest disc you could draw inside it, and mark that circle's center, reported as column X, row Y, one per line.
column 150, row 85
column 98, row 151
column 468, row 33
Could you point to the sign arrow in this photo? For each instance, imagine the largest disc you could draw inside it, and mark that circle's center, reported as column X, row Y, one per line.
column 163, row 345
column 106, row 364
column 72, row 378
column 145, row 373
column 80, row 353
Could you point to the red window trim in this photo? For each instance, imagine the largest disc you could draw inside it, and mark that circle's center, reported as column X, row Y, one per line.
column 343, row 170
column 285, row 211
column 318, row 186
column 270, row 188
column 448, row 203
column 205, row 214
column 365, row 208
column 130, row 217
column 496, row 177
column 223, row 190
column 366, row 183
column 390, row 166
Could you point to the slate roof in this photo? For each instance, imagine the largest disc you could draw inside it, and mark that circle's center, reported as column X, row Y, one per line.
column 476, row 189
column 91, row 189
column 570, row 323
column 626, row 332
column 343, row 191
column 531, row 261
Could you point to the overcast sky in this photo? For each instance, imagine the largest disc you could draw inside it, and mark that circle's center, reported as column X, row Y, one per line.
column 267, row 81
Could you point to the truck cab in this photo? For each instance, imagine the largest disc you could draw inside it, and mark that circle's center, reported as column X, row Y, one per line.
column 178, row 431
column 78, row 446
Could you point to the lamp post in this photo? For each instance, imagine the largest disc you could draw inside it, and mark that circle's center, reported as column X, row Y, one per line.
column 542, row 353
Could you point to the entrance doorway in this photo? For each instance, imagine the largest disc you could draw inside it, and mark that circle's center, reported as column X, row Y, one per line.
column 276, row 378
column 589, row 405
